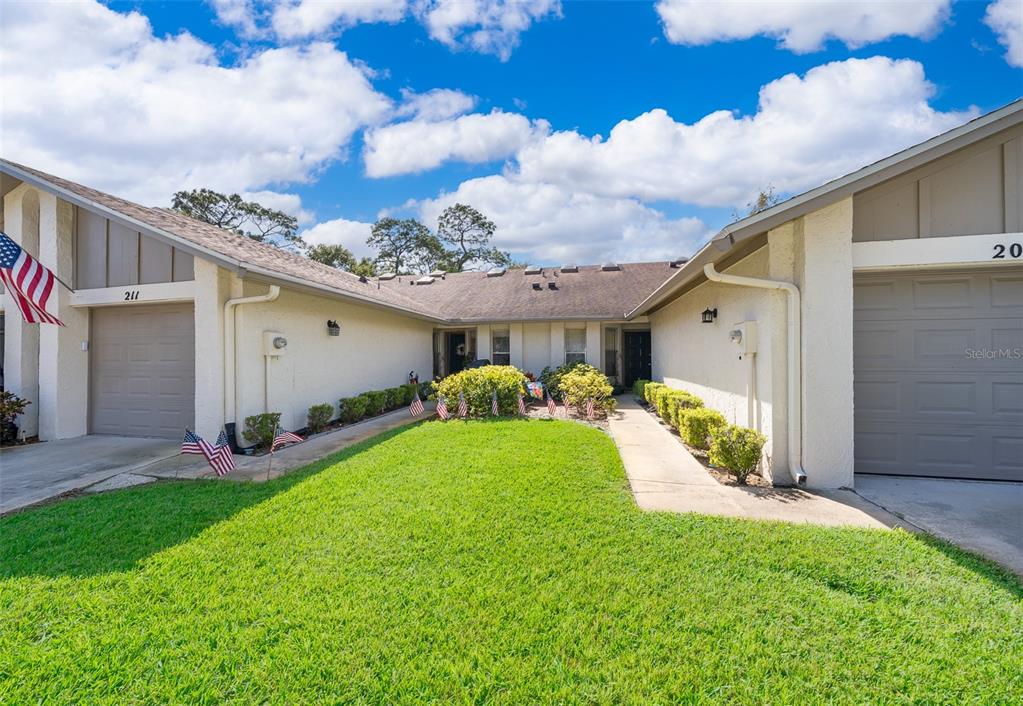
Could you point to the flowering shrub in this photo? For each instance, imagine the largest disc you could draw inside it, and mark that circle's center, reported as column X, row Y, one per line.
column 479, row 384
column 583, row 383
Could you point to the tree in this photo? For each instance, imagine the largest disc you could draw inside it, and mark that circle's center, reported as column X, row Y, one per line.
column 764, row 200
column 248, row 218
column 337, row 256
column 467, row 233
column 365, row 268
column 404, row 246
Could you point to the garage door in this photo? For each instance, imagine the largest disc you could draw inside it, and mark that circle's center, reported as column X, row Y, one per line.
column 939, row 375
column 142, row 370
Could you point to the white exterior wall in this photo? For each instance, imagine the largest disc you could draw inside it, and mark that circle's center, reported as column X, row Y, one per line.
column 536, row 346
column 376, row 350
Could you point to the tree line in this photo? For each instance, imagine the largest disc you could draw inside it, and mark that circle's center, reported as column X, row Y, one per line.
column 461, row 241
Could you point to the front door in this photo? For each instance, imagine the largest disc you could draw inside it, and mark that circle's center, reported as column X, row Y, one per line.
column 456, row 351
column 636, row 349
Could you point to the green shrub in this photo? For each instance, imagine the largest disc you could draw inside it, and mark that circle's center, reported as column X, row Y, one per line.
column 353, row 408
column 319, row 416
column 394, row 397
column 696, row 425
column 425, row 390
column 637, row 388
column 478, row 384
column 669, row 401
column 584, row 382
column 260, row 428
column 651, row 390
column 408, row 393
column 376, row 402
column 737, row 450
column 551, row 377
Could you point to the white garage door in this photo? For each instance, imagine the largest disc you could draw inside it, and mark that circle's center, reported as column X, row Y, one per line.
column 142, row 370
column 939, row 375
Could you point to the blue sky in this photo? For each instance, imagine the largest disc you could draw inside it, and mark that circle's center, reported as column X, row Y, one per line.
column 540, row 82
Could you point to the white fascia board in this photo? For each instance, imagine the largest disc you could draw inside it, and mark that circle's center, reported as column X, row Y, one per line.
column 995, row 249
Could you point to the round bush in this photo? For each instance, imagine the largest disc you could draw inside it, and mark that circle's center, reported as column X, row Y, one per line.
column 353, row 408
column 551, row 377
column 478, row 384
column 319, row 416
column 669, row 401
column 697, row 424
column 737, row 450
column 583, row 383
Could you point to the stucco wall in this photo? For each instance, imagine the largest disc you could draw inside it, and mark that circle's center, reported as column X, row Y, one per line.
column 376, row 350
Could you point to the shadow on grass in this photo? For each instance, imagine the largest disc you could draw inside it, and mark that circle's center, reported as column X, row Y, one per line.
column 992, row 571
column 96, row 534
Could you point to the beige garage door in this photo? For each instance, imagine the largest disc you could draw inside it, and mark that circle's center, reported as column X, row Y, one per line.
column 939, row 374
column 142, row 370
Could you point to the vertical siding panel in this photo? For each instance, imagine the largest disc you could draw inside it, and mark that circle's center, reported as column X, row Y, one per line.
column 156, row 260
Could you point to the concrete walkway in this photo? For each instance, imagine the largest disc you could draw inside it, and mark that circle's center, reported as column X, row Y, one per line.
column 665, row 476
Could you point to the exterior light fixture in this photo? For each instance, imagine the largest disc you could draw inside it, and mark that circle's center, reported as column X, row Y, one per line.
column 709, row 315
column 333, row 328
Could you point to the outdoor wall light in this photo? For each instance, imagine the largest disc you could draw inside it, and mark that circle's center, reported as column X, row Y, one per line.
column 709, row 315
column 333, row 328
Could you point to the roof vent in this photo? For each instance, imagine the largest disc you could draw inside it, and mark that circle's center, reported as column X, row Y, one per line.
column 570, row 268
column 438, row 273
column 533, row 270
column 426, row 279
column 496, row 272
column 387, row 275
column 537, row 286
column 678, row 262
column 552, row 285
column 362, row 278
column 610, row 267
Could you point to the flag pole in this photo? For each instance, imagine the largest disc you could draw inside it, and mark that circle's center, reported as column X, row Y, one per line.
column 270, row 462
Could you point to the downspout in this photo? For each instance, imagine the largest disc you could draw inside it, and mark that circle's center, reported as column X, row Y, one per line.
column 795, row 400
column 230, row 356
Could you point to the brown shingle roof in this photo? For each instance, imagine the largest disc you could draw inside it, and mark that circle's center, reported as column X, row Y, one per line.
column 591, row 293
column 240, row 250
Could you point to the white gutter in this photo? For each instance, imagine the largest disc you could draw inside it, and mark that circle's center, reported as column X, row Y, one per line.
column 795, row 400
column 230, row 347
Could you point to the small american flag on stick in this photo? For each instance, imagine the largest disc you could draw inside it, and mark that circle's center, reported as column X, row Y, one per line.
column 493, row 403
column 552, row 406
column 195, row 444
column 589, row 408
column 463, row 407
column 416, row 408
column 284, row 437
column 28, row 282
column 522, row 405
column 222, row 459
column 442, row 408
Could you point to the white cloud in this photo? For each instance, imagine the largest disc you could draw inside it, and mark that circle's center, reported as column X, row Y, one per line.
column 142, row 116
column 1005, row 18
column 437, row 104
column 800, row 25
column 351, row 234
column 486, row 26
column 290, row 204
column 419, row 145
column 835, row 119
column 549, row 224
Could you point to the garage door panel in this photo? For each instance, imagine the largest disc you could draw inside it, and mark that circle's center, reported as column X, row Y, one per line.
column 928, row 399
column 143, row 373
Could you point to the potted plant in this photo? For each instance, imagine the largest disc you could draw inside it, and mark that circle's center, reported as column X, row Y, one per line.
column 10, row 407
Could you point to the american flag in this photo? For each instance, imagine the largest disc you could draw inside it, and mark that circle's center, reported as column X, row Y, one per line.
column 195, row 444
column 589, row 408
column 221, row 458
column 522, row 404
column 27, row 281
column 463, row 407
column 552, row 406
column 284, row 437
column 442, row 408
column 416, row 408
column 493, row 403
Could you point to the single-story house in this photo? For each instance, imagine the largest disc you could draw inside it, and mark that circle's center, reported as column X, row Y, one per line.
column 869, row 324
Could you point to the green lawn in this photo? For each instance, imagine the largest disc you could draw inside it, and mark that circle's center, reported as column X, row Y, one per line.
column 482, row 562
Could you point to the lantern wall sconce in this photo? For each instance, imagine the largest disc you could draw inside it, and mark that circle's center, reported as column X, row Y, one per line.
column 709, row 315
column 333, row 328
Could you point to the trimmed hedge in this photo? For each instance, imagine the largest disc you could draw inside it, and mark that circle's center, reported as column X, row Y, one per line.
column 737, row 450
column 319, row 416
column 670, row 401
column 651, row 390
column 260, row 428
column 479, row 384
column 696, row 425
column 353, row 408
column 637, row 388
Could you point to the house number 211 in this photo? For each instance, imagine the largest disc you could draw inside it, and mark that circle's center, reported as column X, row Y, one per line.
column 1015, row 251
column 131, row 295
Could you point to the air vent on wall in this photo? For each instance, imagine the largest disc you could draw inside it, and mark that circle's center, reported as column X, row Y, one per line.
column 610, row 267
column 496, row 272
column 570, row 268
column 532, row 270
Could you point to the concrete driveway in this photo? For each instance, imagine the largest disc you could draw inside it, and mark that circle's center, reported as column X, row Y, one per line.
column 33, row 473
column 982, row 516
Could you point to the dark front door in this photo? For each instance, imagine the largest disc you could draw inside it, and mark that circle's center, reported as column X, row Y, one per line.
column 636, row 347
column 456, row 352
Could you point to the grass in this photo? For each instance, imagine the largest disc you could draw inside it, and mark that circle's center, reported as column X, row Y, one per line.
column 483, row 562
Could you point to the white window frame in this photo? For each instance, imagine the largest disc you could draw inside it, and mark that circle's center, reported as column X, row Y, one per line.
column 498, row 356
column 572, row 352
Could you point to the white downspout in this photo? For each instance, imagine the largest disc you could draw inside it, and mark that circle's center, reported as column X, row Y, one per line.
column 230, row 346
column 795, row 400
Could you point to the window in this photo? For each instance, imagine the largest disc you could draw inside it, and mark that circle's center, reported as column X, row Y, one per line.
column 611, row 352
column 575, row 345
column 500, row 347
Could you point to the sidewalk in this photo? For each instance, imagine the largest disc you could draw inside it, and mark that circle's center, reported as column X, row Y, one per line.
column 664, row 476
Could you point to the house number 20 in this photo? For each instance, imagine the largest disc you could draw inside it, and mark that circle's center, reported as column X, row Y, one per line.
column 1015, row 251
column 131, row 295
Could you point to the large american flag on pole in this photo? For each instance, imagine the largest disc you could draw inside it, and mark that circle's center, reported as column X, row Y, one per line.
column 27, row 281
